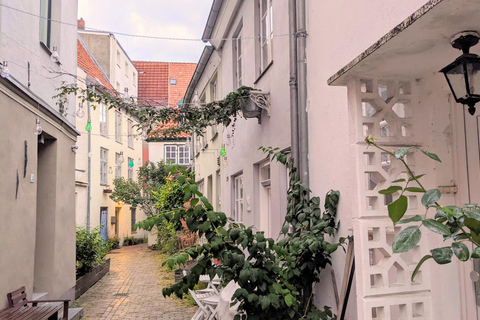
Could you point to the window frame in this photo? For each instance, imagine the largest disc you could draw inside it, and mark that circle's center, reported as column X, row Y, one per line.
column 118, row 166
column 103, row 166
column 45, row 23
column 130, row 170
column 237, row 56
column 238, row 198
column 133, row 219
column 170, row 152
column 103, row 116
column 130, row 133
column 265, row 34
column 118, row 127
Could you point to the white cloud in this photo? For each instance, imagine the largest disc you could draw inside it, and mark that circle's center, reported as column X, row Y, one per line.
column 179, row 18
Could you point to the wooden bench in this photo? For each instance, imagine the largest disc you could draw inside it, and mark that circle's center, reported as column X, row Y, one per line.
column 18, row 308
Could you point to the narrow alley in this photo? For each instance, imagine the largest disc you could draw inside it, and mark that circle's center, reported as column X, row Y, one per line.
column 132, row 289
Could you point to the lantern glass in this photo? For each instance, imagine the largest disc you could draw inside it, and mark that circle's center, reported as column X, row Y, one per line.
column 473, row 71
column 456, row 79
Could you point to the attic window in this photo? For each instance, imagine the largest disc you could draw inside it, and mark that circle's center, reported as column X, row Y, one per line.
column 173, row 81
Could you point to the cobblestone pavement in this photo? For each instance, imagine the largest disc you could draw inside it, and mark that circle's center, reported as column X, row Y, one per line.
column 132, row 289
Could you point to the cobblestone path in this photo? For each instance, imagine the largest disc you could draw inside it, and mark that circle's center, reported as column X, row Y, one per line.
column 132, row 289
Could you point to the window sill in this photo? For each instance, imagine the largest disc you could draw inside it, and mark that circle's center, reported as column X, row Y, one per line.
column 47, row 50
column 263, row 72
column 119, row 142
column 131, row 147
column 214, row 136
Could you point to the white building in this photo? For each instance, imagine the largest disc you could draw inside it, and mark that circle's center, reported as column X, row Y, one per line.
column 391, row 90
column 114, row 148
column 37, row 184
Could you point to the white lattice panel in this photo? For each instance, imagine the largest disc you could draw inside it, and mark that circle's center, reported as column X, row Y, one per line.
column 385, row 109
column 385, row 273
column 405, row 307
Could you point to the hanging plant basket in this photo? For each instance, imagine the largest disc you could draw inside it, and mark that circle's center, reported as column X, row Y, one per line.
column 253, row 105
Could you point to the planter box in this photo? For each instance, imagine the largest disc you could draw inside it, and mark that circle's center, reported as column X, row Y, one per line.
column 87, row 281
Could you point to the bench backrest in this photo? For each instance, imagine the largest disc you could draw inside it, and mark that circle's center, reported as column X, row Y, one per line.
column 17, row 298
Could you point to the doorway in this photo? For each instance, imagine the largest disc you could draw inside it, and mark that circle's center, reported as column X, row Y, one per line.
column 117, row 220
column 103, row 223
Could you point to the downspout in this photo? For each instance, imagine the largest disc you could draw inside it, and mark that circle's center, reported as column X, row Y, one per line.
column 292, row 22
column 89, row 164
column 302, row 92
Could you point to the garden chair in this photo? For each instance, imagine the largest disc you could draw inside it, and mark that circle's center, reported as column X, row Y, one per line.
column 213, row 284
column 206, row 302
column 224, row 310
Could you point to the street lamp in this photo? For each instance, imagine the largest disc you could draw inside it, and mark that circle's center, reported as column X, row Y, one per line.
column 463, row 74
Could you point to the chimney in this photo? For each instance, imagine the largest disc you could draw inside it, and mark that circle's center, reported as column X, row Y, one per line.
column 81, row 24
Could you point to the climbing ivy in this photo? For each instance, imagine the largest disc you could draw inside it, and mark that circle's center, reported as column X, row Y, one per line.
column 276, row 277
column 189, row 118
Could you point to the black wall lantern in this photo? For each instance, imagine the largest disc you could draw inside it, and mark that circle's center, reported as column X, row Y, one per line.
column 463, row 75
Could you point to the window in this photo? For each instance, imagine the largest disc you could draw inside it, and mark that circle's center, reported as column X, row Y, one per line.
column 171, row 154
column 118, row 58
column 118, row 127
column 183, row 155
column 118, row 87
column 214, row 97
column 118, row 166
column 177, row 154
column 103, row 166
column 238, row 198
column 134, row 79
column 173, row 81
column 200, row 185
column 237, row 54
column 130, row 134
column 266, row 33
column 126, row 69
column 133, row 212
column 130, row 169
column 264, row 197
column 217, row 191
column 103, row 120
column 45, row 22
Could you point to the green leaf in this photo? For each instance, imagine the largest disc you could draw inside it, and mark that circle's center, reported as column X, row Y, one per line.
column 415, row 177
column 401, row 152
column 431, row 155
column 442, row 255
column 406, row 239
column 436, row 227
column 414, row 189
column 476, row 253
column 461, row 251
column 425, row 258
column 397, row 209
column 289, row 300
column 398, row 180
column 473, row 214
column 390, row 190
column 412, row 219
column 472, row 224
column 430, row 197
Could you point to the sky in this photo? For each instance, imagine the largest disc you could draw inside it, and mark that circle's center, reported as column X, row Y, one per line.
column 170, row 18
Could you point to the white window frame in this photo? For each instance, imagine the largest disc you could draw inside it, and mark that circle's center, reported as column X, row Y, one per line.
column 103, row 120
column 118, row 127
column 118, row 166
column 214, row 97
column 130, row 133
column 183, row 155
column 130, row 169
column 171, row 153
column 103, row 166
column 45, row 22
column 238, row 198
column 266, row 33
column 237, row 48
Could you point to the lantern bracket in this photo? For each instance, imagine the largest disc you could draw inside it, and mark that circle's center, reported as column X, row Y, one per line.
column 465, row 40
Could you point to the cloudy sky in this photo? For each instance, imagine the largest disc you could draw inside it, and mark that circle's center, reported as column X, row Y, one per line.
column 169, row 18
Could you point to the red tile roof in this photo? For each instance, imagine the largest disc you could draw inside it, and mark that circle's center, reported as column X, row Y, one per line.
column 154, row 86
column 87, row 63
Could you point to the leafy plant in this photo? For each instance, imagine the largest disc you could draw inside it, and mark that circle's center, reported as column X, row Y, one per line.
column 112, row 243
column 90, row 250
column 139, row 193
column 275, row 277
column 131, row 241
column 461, row 224
column 190, row 118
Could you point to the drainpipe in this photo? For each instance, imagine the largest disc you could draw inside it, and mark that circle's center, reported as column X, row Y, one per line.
column 89, row 164
column 302, row 92
column 292, row 22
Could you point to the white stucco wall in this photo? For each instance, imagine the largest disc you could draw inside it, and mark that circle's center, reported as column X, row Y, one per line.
column 98, row 197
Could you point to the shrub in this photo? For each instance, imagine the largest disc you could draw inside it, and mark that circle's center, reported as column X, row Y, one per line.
column 90, row 250
column 112, row 243
column 131, row 241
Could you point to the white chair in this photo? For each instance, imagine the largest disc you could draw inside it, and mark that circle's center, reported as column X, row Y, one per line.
column 206, row 302
column 223, row 310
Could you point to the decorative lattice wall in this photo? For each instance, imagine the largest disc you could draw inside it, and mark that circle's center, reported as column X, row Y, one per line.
column 385, row 109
